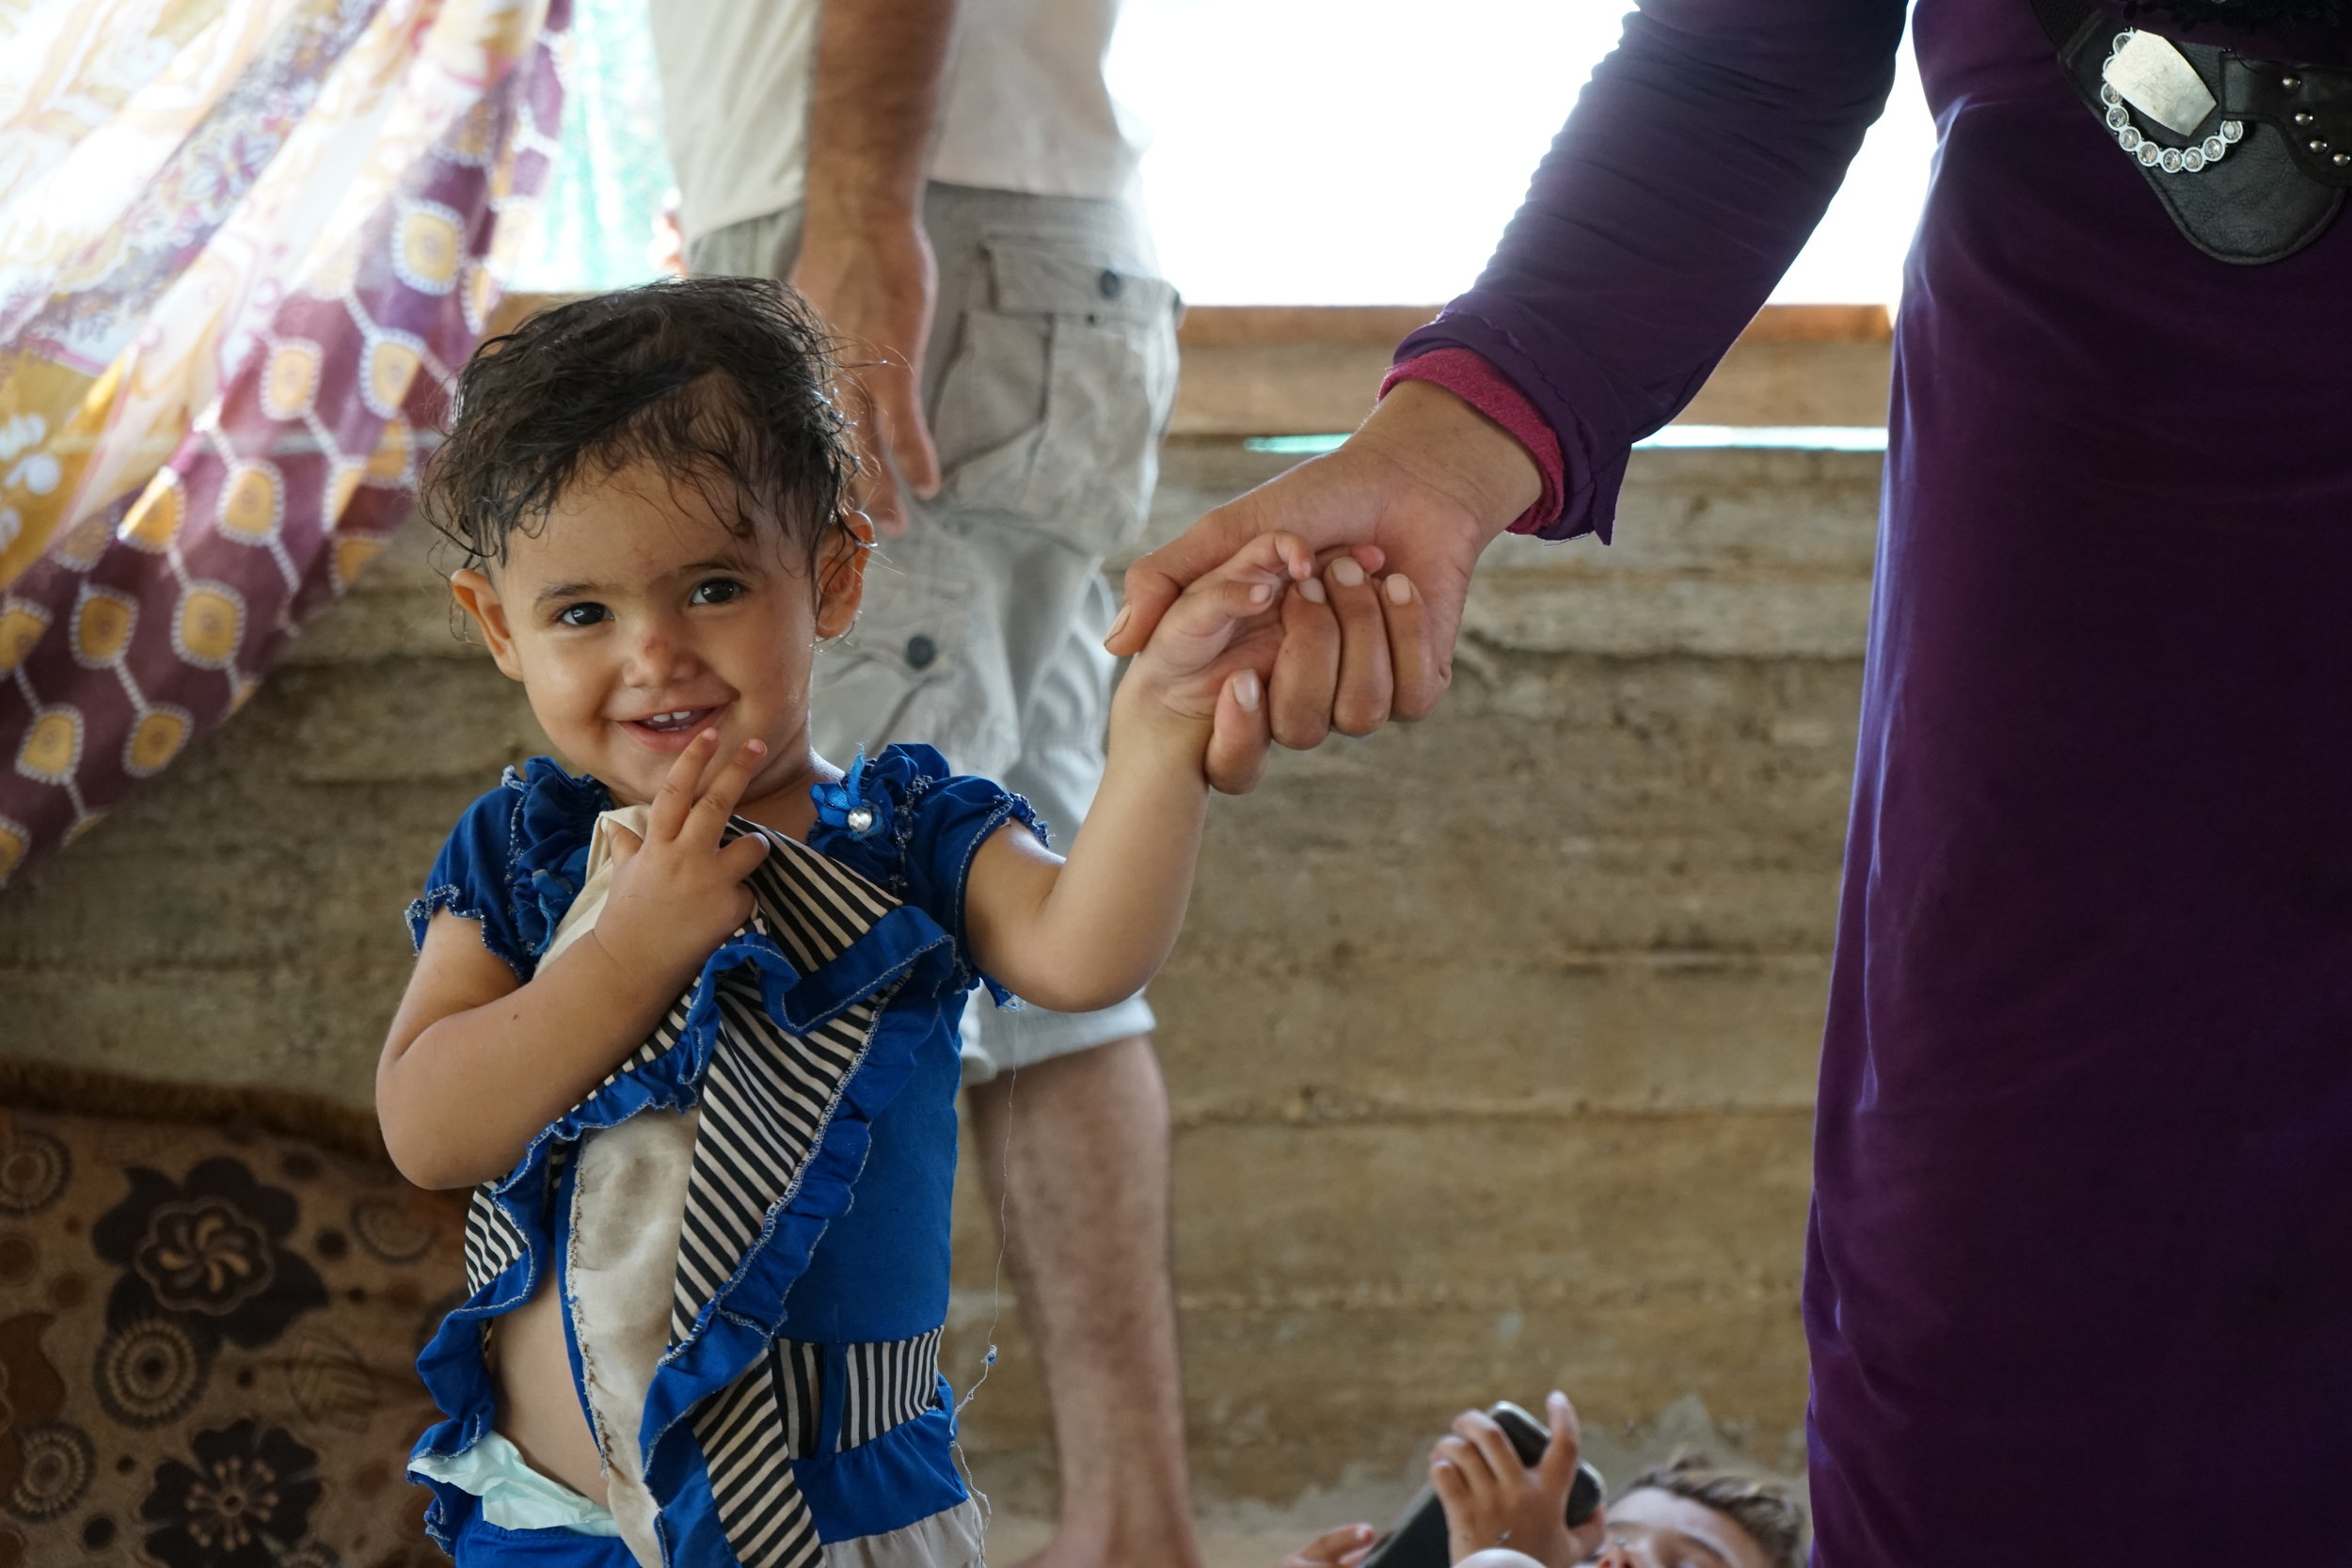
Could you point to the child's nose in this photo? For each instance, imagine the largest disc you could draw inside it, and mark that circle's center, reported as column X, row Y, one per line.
column 659, row 655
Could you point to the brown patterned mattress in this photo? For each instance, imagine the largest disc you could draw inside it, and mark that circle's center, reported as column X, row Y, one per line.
column 210, row 1302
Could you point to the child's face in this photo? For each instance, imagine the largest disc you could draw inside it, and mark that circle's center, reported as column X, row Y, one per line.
column 637, row 618
column 1648, row 1528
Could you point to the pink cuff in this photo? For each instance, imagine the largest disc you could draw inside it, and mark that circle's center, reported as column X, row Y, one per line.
column 1470, row 377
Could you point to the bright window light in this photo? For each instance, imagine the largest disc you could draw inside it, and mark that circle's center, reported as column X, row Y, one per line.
column 1306, row 152
column 1300, row 151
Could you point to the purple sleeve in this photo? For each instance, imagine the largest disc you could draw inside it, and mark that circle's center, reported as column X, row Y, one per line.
column 1697, row 160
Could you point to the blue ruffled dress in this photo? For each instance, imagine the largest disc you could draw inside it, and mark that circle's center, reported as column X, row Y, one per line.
column 833, row 1307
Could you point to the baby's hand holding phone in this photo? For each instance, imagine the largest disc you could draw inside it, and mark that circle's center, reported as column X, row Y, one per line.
column 1492, row 1497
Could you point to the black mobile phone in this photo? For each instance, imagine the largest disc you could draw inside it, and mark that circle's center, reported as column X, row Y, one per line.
column 1417, row 1539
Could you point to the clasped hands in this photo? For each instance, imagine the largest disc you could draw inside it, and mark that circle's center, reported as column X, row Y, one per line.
column 1396, row 518
column 1396, row 515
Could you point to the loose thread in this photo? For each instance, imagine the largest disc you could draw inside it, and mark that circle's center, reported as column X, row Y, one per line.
column 995, row 1313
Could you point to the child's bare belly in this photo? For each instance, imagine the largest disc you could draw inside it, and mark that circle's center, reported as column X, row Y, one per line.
column 538, row 1408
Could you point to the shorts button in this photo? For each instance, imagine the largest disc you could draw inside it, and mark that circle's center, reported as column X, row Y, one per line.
column 1110, row 283
column 921, row 650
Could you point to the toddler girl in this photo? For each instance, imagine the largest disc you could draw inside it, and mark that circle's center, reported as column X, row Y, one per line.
column 688, row 1020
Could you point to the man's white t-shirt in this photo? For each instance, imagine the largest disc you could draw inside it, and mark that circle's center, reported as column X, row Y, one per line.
column 1024, row 106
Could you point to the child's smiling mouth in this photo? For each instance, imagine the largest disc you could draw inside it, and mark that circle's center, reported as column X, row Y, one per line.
column 672, row 728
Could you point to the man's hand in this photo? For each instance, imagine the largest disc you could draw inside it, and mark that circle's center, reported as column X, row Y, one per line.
column 874, row 281
column 1417, row 493
column 1492, row 1500
column 864, row 262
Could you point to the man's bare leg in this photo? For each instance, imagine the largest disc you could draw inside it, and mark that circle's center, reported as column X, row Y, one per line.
column 1075, row 1152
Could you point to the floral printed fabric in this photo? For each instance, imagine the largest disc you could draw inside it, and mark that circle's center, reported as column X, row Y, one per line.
column 204, row 1347
column 245, row 244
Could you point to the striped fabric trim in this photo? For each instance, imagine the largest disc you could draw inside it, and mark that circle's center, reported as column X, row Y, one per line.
column 815, row 907
column 798, row 1371
column 665, row 1034
column 890, row 1383
column 768, row 1093
column 765, row 1104
column 750, row 1433
column 494, row 1242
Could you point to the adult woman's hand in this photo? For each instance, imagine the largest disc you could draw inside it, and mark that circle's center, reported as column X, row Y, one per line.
column 1415, row 495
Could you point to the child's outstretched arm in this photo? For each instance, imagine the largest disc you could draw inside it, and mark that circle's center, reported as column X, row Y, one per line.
column 1080, row 934
column 476, row 1064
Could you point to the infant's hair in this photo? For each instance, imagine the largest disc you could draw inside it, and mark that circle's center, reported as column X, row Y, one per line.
column 1772, row 1518
column 721, row 383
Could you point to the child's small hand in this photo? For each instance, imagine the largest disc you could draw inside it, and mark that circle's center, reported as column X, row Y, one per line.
column 1213, row 654
column 1492, row 1500
column 1344, row 1547
column 678, row 892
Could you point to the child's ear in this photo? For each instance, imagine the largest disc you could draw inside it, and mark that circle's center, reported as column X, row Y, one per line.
column 841, row 574
column 478, row 596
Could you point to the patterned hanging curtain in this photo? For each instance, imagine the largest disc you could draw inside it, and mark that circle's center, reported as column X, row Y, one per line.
column 244, row 246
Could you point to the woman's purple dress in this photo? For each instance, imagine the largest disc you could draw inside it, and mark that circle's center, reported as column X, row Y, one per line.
column 2079, row 1274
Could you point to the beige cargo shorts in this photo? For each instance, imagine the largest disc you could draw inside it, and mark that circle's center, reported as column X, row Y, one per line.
column 1048, row 382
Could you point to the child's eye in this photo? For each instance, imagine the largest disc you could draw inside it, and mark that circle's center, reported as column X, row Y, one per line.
column 582, row 615
column 717, row 590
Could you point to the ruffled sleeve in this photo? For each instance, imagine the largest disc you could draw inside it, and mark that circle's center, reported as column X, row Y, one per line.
column 515, row 862
column 902, row 820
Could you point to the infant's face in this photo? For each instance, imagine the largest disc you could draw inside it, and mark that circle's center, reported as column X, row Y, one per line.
column 637, row 618
column 1651, row 1529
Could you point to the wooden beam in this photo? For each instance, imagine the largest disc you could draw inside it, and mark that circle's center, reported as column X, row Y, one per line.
column 1223, row 325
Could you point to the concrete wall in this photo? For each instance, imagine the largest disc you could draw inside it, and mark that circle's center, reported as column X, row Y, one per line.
column 1491, row 1040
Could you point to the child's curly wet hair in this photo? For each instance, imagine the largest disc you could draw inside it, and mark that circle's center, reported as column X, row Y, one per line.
column 721, row 383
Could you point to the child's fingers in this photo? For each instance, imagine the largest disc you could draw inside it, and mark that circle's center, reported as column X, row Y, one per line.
column 717, row 805
column 1293, row 555
column 1452, row 1487
column 1335, row 1548
column 1468, row 1522
column 1460, row 1452
column 1200, row 625
column 1556, row 1470
column 1306, row 670
column 1469, row 1492
column 625, row 844
column 1276, row 556
column 1275, row 560
column 676, row 797
column 1361, row 705
column 1493, row 1445
column 741, row 856
column 1238, row 735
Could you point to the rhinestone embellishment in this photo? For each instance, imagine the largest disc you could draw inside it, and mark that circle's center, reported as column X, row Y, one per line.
column 859, row 820
column 2154, row 155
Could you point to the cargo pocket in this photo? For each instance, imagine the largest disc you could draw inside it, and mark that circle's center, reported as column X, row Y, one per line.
column 900, row 674
column 1060, row 389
